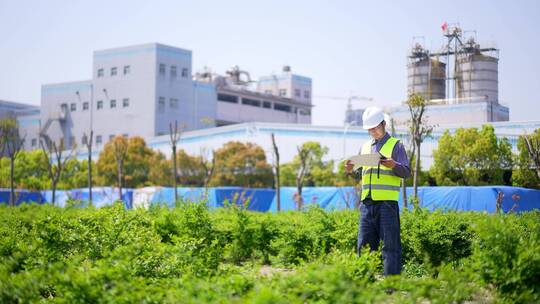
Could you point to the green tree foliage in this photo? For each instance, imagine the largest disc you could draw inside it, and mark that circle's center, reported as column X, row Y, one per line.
column 30, row 171
column 195, row 255
column 472, row 157
column 140, row 165
column 239, row 164
column 320, row 173
column 525, row 174
column 74, row 175
column 160, row 173
column 190, row 169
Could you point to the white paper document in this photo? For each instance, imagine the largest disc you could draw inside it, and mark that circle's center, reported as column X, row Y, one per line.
column 370, row 160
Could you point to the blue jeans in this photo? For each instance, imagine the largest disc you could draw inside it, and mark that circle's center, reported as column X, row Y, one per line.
column 380, row 221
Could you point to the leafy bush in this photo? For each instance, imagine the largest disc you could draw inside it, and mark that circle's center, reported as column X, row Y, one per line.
column 194, row 255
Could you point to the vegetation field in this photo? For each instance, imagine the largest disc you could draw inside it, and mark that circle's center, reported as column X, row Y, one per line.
column 190, row 254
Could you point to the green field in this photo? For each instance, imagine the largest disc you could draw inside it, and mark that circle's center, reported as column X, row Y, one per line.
column 190, row 254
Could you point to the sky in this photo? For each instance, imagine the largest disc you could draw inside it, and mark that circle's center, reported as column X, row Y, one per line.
column 346, row 47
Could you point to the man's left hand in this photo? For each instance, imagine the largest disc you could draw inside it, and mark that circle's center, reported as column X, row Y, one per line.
column 390, row 163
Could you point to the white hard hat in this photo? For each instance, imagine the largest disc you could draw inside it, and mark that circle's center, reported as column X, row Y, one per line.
column 372, row 117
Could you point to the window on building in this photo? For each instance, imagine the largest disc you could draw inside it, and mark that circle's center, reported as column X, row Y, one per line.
column 161, row 69
column 85, row 106
column 251, row 102
column 267, row 104
column 297, row 93
column 126, row 69
column 227, row 98
column 173, row 71
column 73, row 107
column 161, row 104
column 111, row 137
column 113, row 103
column 125, row 135
column 305, row 112
column 113, row 71
column 173, row 103
column 282, row 107
column 185, row 72
column 269, row 92
column 72, row 140
column 307, row 94
column 282, row 92
column 125, row 102
column 100, row 73
column 100, row 104
column 34, row 142
column 98, row 140
column 64, row 107
column 84, row 140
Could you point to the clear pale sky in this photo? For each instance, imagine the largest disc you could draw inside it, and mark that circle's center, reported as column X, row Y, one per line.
column 346, row 47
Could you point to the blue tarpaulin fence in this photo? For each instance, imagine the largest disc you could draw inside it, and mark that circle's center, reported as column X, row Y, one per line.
column 258, row 199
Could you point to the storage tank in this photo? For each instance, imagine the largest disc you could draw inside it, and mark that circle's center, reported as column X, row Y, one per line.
column 426, row 77
column 477, row 77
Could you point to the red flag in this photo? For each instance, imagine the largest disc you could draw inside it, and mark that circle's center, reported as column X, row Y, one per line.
column 444, row 26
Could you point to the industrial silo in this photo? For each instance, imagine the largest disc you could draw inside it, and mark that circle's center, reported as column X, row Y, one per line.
column 477, row 77
column 426, row 76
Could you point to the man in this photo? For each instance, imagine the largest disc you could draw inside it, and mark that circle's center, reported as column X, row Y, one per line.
column 379, row 211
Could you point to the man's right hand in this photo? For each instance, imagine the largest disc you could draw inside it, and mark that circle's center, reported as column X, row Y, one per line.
column 349, row 167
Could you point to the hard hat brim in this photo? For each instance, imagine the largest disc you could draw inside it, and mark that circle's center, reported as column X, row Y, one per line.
column 367, row 127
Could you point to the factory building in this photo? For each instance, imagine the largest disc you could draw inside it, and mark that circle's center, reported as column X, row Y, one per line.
column 28, row 119
column 460, row 82
column 139, row 90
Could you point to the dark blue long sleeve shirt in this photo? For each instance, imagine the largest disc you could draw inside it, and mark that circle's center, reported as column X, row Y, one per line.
column 402, row 168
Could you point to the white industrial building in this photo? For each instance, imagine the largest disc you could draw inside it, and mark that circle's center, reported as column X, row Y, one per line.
column 341, row 141
column 139, row 90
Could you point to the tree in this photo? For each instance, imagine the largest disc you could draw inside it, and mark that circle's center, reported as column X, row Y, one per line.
column 472, row 157
column 239, row 164
column 160, row 170
column 276, row 174
column 175, row 135
column 136, row 163
column 12, row 145
column 308, row 169
column 418, row 130
column 320, row 173
column 120, row 146
column 56, row 160
column 74, row 175
column 527, row 172
column 30, row 171
column 305, row 165
column 208, row 165
column 88, row 140
column 190, row 171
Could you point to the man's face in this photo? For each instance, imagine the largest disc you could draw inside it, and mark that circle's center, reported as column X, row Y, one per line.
column 377, row 132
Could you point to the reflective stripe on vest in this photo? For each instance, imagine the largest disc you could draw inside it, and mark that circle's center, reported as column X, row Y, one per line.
column 385, row 185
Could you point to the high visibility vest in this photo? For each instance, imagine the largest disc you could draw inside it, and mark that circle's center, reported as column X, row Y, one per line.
column 382, row 180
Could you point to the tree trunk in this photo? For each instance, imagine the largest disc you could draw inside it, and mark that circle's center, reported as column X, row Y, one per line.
column 404, row 194
column 11, row 181
column 278, row 187
column 120, row 181
column 175, row 174
column 90, row 176
column 416, row 170
column 53, row 185
column 299, row 200
column 276, row 177
column 299, row 182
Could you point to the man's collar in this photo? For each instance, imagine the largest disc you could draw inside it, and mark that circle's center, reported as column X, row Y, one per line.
column 383, row 139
